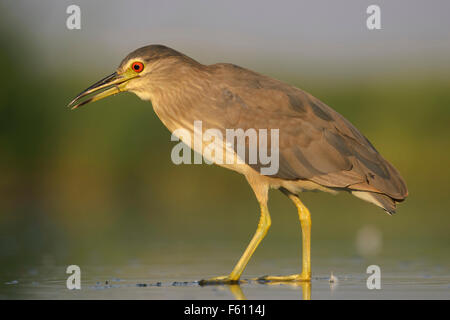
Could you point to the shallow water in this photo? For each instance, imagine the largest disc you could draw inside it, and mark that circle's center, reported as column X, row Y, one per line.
column 177, row 279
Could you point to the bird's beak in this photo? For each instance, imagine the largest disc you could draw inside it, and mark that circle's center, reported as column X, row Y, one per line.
column 114, row 83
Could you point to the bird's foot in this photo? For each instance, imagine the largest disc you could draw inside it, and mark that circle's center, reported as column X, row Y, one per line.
column 218, row 281
column 302, row 277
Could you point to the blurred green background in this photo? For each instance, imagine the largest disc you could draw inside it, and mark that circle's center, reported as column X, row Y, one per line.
column 97, row 185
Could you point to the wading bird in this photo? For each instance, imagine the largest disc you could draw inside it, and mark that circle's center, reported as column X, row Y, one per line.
column 318, row 148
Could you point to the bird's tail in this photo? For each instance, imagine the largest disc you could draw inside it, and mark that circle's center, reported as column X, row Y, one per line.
column 383, row 201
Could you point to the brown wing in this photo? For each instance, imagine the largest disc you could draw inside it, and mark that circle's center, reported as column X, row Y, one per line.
column 316, row 142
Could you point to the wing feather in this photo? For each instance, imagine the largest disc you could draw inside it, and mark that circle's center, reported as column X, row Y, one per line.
column 316, row 143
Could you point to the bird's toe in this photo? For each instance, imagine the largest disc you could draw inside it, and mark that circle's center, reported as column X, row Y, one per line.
column 218, row 281
column 289, row 278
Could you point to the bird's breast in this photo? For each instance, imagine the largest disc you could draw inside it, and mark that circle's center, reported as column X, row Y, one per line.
column 193, row 132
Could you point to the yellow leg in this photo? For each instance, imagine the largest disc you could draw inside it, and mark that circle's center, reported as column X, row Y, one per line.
column 305, row 221
column 261, row 231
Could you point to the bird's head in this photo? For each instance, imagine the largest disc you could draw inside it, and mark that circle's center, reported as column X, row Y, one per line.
column 137, row 73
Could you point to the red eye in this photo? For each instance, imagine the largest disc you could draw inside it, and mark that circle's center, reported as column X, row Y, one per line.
column 137, row 67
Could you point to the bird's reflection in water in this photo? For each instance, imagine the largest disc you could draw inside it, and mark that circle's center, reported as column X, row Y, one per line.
column 305, row 286
column 237, row 292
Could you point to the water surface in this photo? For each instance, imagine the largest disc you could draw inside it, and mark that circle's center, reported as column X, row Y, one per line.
column 175, row 277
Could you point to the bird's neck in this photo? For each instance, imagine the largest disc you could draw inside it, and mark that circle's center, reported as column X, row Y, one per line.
column 174, row 99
